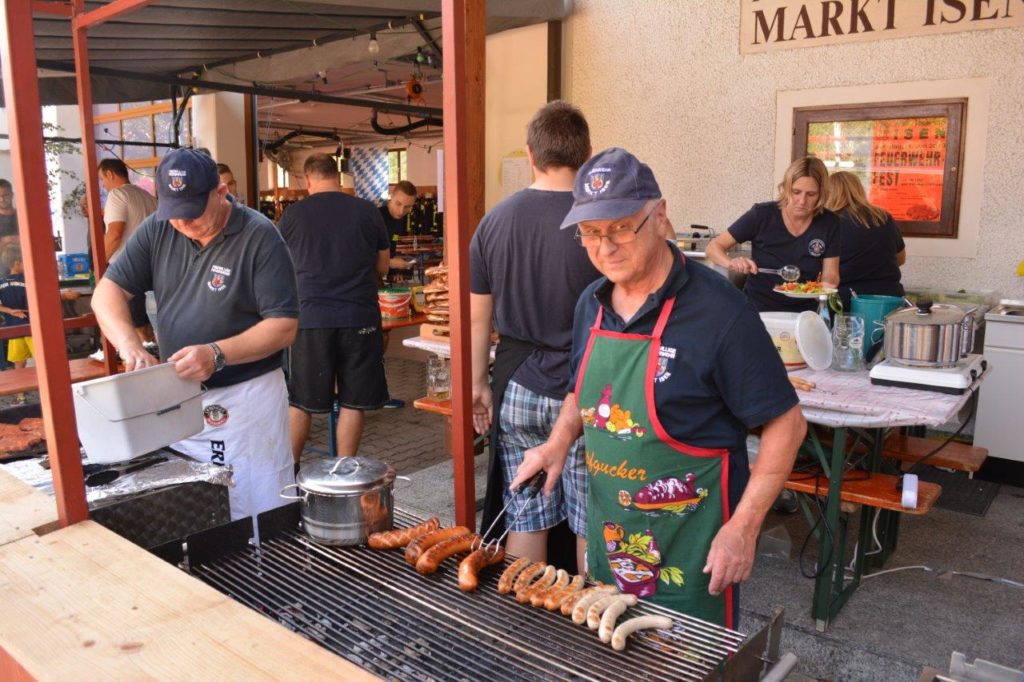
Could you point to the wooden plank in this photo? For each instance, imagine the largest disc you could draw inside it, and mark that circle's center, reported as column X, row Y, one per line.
column 957, row 456
column 128, row 615
column 26, row 379
column 873, row 490
column 442, row 407
column 22, row 509
column 411, row 321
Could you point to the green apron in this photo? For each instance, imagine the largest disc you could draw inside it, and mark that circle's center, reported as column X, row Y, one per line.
column 654, row 503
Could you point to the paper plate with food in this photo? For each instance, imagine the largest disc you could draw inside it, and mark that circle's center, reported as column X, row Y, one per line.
column 804, row 289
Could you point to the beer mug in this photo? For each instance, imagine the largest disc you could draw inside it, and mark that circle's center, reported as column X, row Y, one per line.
column 848, row 342
column 439, row 378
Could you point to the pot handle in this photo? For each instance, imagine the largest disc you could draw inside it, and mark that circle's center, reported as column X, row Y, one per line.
column 407, row 480
column 292, row 497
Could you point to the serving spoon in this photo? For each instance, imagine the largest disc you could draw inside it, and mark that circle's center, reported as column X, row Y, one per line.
column 788, row 273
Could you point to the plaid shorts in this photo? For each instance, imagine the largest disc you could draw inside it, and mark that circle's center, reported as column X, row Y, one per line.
column 525, row 422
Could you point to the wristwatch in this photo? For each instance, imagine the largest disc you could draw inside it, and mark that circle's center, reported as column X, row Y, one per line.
column 219, row 361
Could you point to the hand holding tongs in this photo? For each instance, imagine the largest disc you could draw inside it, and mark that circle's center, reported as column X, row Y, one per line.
column 532, row 487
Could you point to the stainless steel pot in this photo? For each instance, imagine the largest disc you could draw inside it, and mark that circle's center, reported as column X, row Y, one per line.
column 346, row 499
column 928, row 335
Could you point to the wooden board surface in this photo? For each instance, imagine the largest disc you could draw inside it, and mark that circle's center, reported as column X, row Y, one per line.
column 22, row 509
column 15, row 381
column 873, row 490
column 442, row 407
column 83, row 603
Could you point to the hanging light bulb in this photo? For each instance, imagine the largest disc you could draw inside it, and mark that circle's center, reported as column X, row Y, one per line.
column 420, row 57
column 373, row 47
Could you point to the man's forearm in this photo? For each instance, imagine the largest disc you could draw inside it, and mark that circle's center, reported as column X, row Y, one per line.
column 110, row 304
column 780, row 441
column 260, row 340
column 481, row 308
column 569, row 425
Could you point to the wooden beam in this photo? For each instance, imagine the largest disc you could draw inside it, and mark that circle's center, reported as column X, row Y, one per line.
column 83, row 83
column 14, row 332
column 462, row 32
column 24, row 116
column 112, row 10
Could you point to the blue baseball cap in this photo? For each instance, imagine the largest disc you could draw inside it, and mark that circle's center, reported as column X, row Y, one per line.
column 610, row 185
column 184, row 180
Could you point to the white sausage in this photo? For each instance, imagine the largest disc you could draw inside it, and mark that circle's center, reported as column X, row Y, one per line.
column 597, row 608
column 579, row 612
column 612, row 613
column 639, row 623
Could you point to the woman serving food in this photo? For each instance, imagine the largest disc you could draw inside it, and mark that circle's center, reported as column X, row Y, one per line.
column 794, row 230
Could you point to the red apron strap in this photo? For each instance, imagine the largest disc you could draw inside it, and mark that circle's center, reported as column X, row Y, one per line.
column 666, row 310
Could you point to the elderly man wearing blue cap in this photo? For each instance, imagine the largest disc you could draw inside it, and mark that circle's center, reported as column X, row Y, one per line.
column 225, row 286
column 672, row 367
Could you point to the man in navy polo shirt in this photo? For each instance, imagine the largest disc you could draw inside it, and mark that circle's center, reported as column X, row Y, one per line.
column 672, row 367
column 225, row 287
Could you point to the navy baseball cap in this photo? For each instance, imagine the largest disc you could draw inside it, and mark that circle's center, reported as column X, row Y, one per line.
column 184, row 181
column 612, row 184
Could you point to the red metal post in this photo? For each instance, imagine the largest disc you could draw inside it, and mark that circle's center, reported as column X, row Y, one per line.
column 24, row 117
column 463, row 31
column 80, row 42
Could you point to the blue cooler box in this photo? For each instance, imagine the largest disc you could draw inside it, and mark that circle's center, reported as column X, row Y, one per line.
column 75, row 264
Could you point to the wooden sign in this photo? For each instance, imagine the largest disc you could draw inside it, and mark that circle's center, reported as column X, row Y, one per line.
column 767, row 25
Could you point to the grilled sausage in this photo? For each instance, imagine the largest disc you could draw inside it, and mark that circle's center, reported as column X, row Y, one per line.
column 510, row 574
column 546, row 579
column 431, row 559
column 527, row 575
column 569, row 605
column 597, row 608
column 540, row 595
column 579, row 612
column 554, row 600
column 639, row 623
column 612, row 613
column 400, row 537
column 478, row 559
column 416, row 547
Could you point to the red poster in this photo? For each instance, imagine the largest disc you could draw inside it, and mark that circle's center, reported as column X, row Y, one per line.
column 908, row 156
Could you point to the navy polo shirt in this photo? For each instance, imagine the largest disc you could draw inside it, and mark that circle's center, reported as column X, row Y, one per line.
column 773, row 246
column 726, row 376
column 207, row 293
column 14, row 295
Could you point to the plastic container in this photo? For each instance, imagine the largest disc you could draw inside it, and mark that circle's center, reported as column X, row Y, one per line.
column 76, row 264
column 126, row 415
column 394, row 303
column 802, row 339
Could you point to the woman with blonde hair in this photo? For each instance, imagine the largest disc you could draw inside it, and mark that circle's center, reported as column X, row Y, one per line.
column 796, row 229
column 872, row 247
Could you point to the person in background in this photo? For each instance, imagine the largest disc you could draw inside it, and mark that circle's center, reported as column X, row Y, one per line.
column 225, row 287
column 796, row 229
column 672, row 367
column 526, row 275
column 872, row 246
column 8, row 216
column 14, row 304
column 127, row 206
column 395, row 212
column 228, row 178
column 340, row 248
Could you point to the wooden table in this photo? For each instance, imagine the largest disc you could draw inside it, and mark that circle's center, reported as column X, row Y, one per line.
column 23, row 380
column 415, row 319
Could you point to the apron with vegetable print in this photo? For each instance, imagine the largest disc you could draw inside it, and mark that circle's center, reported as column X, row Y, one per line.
column 655, row 503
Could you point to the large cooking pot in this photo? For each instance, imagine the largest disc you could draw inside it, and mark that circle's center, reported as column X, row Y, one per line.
column 345, row 499
column 928, row 335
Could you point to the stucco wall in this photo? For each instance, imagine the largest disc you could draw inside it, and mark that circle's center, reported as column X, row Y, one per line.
column 668, row 83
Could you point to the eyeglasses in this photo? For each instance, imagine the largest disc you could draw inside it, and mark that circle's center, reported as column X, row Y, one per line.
column 618, row 235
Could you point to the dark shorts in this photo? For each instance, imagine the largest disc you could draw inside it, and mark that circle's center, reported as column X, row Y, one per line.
column 351, row 358
column 137, row 308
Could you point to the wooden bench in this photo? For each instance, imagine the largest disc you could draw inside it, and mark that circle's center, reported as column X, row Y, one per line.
column 441, row 407
column 861, row 487
column 911, row 449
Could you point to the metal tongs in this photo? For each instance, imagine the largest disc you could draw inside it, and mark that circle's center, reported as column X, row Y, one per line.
column 532, row 487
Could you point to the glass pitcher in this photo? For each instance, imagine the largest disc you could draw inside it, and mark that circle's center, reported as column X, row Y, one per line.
column 847, row 342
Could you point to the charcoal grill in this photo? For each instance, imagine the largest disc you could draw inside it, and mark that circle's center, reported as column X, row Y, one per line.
column 373, row 609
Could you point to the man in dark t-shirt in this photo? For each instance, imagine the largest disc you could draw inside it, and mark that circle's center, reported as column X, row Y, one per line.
column 340, row 248
column 395, row 213
column 526, row 274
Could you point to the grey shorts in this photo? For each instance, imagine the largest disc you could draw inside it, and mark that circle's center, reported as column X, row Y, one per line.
column 525, row 421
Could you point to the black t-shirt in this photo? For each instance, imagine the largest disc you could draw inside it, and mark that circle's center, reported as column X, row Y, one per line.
column 207, row 293
column 335, row 239
column 868, row 261
column 721, row 376
column 9, row 225
column 773, row 246
column 397, row 227
column 13, row 295
column 535, row 273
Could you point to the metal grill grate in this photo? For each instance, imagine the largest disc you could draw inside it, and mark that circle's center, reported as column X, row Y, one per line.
column 373, row 609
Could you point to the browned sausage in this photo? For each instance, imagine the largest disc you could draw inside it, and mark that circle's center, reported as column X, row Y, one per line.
column 400, row 537
column 570, row 603
column 478, row 559
column 510, row 574
column 540, row 594
column 546, row 579
column 431, row 559
column 527, row 575
column 554, row 599
column 424, row 542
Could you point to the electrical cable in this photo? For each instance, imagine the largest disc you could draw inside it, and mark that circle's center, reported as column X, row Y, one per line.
column 947, row 441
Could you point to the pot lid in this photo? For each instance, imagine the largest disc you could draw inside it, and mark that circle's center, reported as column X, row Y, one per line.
column 345, row 475
column 925, row 312
column 814, row 340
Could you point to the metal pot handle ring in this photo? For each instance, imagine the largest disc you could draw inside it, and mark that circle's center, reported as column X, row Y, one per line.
column 292, row 497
